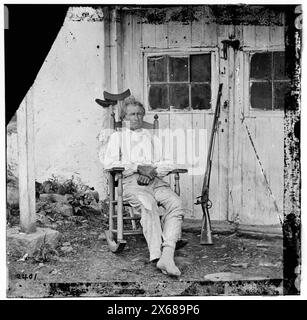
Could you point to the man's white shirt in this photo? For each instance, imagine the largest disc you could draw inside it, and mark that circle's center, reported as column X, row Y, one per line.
column 130, row 148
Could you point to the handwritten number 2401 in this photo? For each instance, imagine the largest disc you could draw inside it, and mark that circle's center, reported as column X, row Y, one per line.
column 26, row 276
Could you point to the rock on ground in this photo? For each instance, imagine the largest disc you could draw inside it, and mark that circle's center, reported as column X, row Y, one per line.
column 21, row 243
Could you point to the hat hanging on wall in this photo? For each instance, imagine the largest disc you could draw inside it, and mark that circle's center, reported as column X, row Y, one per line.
column 116, row 97
column 106, row 103
column 111, row 99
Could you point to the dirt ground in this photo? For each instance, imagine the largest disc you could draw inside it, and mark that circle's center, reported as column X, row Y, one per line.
column 83, row 265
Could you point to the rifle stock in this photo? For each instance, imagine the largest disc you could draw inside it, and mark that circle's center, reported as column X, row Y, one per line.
column 206, row 232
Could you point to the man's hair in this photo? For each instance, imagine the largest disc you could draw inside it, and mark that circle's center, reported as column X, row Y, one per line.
column 130, row 101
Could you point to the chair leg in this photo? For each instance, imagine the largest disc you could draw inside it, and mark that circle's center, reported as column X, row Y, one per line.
column 120, row 207
column 181, row 242
column 114, row 246
column 132, row 216
column 111, row 199
column 177, row 184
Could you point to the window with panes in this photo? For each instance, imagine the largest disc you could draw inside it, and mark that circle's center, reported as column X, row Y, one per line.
column 269, row 83
column 179, row 82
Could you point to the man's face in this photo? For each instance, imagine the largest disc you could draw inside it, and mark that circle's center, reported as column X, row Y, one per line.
column 134, row 117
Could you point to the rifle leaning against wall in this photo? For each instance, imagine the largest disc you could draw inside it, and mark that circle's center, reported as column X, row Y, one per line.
column 206, row 204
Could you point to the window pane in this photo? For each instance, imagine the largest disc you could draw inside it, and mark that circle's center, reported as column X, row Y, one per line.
column 178, row 68
column 261, row 66
column 179, row 96
column 281, row 92
column 261, row 95
column 201, row 96
column 200, row 67
column 279, row 65
column 158, row 97
column 157, row 69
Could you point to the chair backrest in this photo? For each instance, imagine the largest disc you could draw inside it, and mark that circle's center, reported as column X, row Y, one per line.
column 115, row 125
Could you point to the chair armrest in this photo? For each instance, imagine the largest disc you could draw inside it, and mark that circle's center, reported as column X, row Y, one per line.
column 179, row 171
column 176, row 172
column 115, row 169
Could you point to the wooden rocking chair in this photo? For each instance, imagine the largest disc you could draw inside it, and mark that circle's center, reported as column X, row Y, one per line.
column 116, row 232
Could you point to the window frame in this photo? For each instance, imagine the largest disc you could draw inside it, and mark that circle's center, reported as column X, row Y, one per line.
column 182, row 53
column 254, row 112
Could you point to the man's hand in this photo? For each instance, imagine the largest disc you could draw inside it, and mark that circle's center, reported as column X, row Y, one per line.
column 148, row 171
column 143, row 180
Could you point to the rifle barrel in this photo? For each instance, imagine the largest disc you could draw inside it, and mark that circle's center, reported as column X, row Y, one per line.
column 212, row 136
column 206, row 234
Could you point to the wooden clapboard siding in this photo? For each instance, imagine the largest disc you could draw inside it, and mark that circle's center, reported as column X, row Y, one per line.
column 198, row 123
column 222, row 31
column 273, row 163
column 137, row 67
column 262, row 37
column 277, row 36
column 161, row 38
column 249, row 174
column 210, row 34
column 198, row 30
column 263, row 200
column 127, row 48
column 164, row 123
column 148, row 35
column 237, row 188
column 222, row 150
column 214, row 181
column 235, row 149
column 266, row 130
column 249, row 36
column 132, row 56
column 197, row 34
column 178, row 126
column 179, row 35
column 258, row 205
column 238, row 32
column 276, row 169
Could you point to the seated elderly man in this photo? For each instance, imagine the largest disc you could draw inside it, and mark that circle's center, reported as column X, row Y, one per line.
column 139, row 152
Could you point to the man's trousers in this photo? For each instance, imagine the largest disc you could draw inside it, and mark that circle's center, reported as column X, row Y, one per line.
column 161, row 226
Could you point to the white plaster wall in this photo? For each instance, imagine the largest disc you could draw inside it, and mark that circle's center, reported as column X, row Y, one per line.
column 67, row 118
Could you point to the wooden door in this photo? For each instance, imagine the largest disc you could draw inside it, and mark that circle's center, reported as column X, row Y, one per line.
column 257, row 137
column 141, row 41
